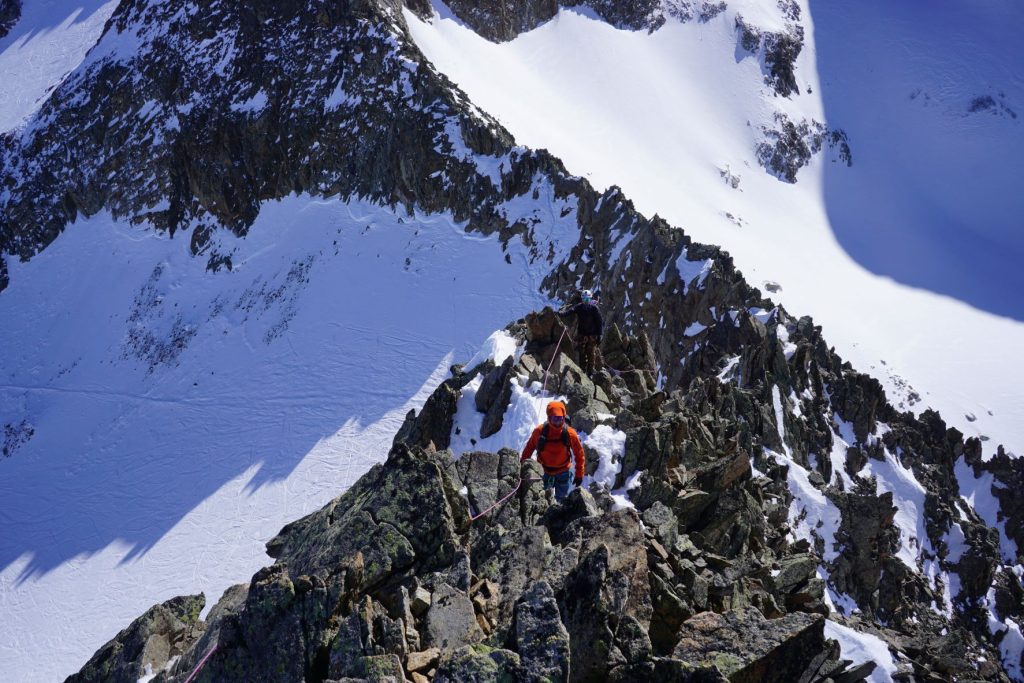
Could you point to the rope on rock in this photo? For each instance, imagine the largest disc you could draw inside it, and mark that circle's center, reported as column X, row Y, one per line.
column 202, row 663
column 473, row 518
column 544, row 387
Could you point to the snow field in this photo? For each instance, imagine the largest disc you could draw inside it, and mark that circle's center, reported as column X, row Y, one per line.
column 181, row 417
column 42, row 48
column 862, row 647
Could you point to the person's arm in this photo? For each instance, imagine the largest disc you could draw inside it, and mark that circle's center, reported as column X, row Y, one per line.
column 578, row 456
column 600, row 324
column 567, row 312
column 531, row 445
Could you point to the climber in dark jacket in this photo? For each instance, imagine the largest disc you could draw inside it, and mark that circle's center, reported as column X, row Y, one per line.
column 589, row 328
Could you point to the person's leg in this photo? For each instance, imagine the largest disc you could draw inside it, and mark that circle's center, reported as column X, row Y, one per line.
column 563, row 483
column 548, row 480
column 587, row 354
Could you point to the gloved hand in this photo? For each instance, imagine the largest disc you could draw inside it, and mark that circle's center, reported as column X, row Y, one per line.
column 578, row 481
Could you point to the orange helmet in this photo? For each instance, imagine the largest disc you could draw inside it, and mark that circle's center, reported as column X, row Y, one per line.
column 556, row 408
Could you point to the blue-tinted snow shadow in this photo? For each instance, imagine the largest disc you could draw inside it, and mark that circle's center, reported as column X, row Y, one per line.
column 933, row 198
column 146, row 460
column 132, row 494
column 39, row 17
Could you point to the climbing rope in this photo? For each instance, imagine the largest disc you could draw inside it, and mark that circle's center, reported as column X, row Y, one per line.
column 202, row 663
column 544, row 387
column 473, row 518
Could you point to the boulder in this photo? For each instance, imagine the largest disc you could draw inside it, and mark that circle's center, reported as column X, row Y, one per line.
column 747, row 648
column 422, row 661
column 480, row 664
column 450, row 621
column 491, row 385
column 380, row 669
column 164, row 631
column 540, row 637
column 401, row 511
column 500, row 393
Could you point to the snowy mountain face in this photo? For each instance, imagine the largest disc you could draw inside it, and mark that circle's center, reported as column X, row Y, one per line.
column 353, row 222
column 918, row 239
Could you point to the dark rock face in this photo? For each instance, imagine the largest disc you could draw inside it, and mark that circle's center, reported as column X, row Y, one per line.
column 634, row 15
column 10, row 12
column 777, row 50
column 780, row 53
column 165, row 631
column 501, row 20
column 747, row 648
column 789, row 147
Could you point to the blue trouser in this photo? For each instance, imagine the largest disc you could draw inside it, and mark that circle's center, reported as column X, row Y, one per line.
column 560, row 482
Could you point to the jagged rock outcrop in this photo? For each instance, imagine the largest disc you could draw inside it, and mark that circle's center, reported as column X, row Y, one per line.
column 778, row 50
column 1008, row 480
column 148, row 645
column 789, row 147
column 708, row 578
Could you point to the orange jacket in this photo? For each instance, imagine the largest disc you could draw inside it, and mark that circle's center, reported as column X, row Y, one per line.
column 555, row 457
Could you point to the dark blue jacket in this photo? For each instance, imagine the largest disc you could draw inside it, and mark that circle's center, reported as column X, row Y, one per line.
column 588, row 319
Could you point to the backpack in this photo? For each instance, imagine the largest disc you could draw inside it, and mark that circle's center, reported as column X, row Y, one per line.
column 543, row 440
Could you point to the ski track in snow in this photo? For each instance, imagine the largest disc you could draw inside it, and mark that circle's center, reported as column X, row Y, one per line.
column 147, row 480
column 46, row 44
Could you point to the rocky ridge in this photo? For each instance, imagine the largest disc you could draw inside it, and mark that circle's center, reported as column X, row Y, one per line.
column 705, row 577
column 182, row 126
column 186, row 118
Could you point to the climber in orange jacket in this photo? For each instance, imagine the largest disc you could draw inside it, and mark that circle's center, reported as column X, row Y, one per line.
column 554, row 441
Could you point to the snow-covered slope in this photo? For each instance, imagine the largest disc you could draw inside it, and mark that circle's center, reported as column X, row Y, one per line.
column 46, row 43
column 180, row 417
column 918, row 241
